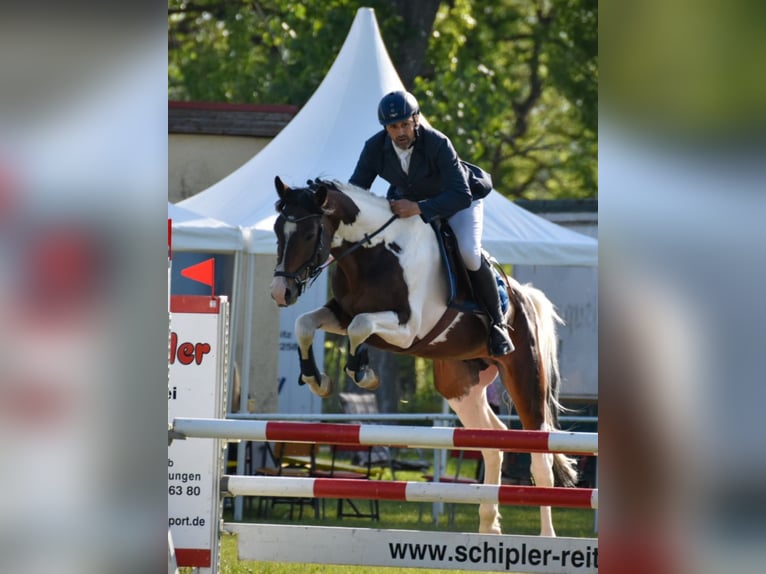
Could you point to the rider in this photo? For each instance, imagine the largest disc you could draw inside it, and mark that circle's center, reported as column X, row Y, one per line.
column 428, row 179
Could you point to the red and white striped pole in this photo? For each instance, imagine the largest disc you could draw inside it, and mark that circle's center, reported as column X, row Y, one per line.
column 387, row 435
column 409, row 491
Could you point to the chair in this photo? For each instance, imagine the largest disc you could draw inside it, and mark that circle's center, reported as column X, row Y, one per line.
column 460, row 456
column 359, row 403
column 457, row 477
column 343, row 465
column 367, row 404
column 295, row 460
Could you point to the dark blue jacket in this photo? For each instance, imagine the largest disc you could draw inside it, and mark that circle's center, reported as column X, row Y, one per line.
column 437, row 179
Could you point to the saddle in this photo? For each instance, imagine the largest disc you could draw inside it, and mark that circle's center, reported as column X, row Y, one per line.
column 460, row 298
column 460, row 291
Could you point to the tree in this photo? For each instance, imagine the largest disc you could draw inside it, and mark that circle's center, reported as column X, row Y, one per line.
column 278, row 51
column 517, row 90
column 264, row 51
column 513, row 82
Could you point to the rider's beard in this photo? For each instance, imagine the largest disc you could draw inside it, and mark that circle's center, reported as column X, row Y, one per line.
column 403, row 142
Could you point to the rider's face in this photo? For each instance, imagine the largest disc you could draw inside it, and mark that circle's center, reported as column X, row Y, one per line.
column 402, row 133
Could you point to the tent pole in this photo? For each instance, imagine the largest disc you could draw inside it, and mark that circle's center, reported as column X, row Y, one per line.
column 236, row 301
column 245, row 374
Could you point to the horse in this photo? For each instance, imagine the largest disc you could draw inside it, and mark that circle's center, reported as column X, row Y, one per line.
column 390, row 290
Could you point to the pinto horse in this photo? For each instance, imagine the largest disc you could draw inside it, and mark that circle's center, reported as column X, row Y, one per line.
column 391, row 291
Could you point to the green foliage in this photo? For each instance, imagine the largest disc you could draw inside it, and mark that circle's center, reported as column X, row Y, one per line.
column 420, row 396
column 515, row 85
column 512, row 82
column 414, row 376
column 274, row 52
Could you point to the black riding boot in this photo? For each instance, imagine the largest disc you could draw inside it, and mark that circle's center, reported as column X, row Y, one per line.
column 485, row 289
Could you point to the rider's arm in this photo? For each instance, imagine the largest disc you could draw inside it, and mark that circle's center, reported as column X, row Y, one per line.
column 366, row 167
column 455, row 194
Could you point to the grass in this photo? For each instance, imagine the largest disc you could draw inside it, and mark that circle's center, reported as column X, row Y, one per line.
column 524, row 520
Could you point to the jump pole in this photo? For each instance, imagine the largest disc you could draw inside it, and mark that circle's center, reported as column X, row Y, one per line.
column 409, row 548
column 398, row 548
column 406, row 548
column 385, row 435
column 405, row 491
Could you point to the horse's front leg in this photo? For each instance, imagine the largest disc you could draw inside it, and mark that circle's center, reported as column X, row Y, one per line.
column 305, row 327
column 384, row 324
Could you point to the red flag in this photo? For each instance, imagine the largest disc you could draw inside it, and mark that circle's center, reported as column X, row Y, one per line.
column 203, row 272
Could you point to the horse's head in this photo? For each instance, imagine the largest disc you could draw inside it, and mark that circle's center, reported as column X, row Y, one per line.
column 303, row 241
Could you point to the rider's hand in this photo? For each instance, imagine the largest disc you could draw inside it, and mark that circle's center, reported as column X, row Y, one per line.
column 404, row 207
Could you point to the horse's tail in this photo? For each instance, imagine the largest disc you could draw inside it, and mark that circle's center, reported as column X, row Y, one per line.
column 546, row 318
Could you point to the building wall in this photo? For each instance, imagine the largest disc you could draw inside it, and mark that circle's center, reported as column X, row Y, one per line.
column 207, row 142
column 195, row 162
column 574, row 292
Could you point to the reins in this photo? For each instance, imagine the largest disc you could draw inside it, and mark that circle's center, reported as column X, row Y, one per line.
column 315, row 271
column 356, row 245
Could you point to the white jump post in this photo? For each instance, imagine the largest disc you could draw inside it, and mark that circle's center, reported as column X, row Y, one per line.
column 198, row 364
column 378, row 547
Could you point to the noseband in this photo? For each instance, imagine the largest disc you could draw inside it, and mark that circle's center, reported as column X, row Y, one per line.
column 312, row 267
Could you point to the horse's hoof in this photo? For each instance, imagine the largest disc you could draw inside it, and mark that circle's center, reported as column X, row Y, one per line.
column 491, row 528
column 323, row 389
column 489, row 520
column 368, row 382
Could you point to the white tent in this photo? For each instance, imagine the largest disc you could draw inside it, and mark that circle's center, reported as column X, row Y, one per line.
column 325, row 140
column 195, row 232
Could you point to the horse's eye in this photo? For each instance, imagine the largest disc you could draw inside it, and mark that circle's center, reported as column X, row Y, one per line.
column 310, row 235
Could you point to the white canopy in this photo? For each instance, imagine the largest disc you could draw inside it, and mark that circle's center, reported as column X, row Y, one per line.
column 514, row 235
column 325, row 139
column 195, row 232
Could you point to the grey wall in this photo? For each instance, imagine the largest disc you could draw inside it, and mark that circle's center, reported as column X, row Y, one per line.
column 574, row 292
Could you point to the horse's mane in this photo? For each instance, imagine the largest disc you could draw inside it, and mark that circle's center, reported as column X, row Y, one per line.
column 369, row 203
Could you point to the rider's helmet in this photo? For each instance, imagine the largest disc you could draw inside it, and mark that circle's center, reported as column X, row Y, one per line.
column 397, row 106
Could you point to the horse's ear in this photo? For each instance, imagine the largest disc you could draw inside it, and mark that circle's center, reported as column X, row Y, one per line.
column 281, row 187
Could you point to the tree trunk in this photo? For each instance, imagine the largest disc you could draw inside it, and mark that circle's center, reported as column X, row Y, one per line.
column 385, row 366
column 417, row 21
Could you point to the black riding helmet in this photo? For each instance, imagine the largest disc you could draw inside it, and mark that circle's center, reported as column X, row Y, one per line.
column 397, row 106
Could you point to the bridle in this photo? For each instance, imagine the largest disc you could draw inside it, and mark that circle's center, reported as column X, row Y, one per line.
column 312, row 267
